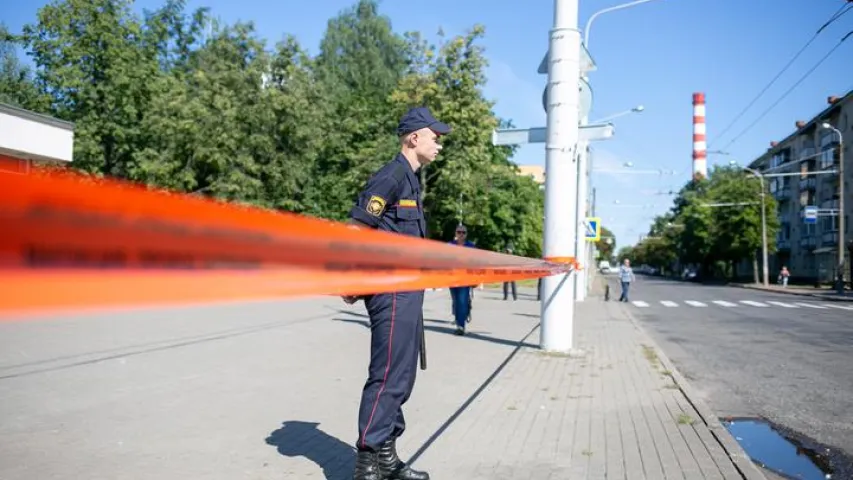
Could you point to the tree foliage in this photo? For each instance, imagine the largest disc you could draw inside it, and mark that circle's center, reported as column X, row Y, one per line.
column 174, row 98
column 713, row 221
column 606, row 245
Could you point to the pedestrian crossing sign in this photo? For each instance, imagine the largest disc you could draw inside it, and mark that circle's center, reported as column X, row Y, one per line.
column 592, row 227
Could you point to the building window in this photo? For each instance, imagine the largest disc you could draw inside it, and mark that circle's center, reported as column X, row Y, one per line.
column 829, row 224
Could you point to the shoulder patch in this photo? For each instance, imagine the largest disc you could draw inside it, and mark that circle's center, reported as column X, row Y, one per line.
column 375, row 205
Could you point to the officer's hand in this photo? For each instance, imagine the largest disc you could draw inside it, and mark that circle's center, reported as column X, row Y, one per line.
column 350, row 299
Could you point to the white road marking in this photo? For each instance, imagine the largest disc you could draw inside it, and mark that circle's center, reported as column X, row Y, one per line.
column 842, row 307
column 782, row 304
column 668, row 303
column 725, row 303
column 694, row 303
column 810, row 305
column 640, row 303
column 753, row 303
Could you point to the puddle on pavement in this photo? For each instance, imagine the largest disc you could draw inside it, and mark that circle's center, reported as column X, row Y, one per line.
column 781, row 453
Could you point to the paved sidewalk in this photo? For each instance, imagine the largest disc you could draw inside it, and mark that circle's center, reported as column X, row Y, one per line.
column 270, row 390
column 612, row 412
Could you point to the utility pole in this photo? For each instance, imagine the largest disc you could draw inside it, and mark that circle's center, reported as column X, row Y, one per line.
column 581, row 243
column 839, row 281
column 765, row 269
column 557, row 306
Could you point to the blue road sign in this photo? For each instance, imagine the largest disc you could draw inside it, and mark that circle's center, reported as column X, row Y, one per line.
column 593, row 229
column 810, row 214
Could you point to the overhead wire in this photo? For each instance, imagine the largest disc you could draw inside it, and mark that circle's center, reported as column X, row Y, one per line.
column 787, row 92
column 838, row 14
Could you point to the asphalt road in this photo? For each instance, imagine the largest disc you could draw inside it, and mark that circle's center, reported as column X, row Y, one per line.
column 783, row 357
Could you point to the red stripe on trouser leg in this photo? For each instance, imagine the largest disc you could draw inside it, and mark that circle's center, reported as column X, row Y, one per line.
column 392, row 370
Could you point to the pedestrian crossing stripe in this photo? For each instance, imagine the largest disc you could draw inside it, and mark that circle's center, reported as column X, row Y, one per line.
column 842, row 307
column 725, row 303
column 810, row 305
column 781, row 304
column 741, row 303
column 753, row 303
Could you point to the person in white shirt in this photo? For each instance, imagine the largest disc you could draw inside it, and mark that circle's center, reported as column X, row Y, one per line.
column 626, row 276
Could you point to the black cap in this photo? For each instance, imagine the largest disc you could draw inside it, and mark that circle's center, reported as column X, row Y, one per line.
column 418, row 118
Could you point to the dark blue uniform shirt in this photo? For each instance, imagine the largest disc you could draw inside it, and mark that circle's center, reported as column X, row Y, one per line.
column 391, row 200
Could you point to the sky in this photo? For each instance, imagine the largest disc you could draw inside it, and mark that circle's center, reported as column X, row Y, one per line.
column 655, row 54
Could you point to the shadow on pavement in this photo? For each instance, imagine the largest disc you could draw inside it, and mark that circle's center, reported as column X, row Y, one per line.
column 364, row 315
column 452, row 331
column 303, row 439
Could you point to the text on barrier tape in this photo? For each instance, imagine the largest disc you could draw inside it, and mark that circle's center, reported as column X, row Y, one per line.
column 69, row 241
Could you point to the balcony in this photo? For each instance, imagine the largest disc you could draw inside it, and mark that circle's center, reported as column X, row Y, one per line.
column 808, row 183
column 829, row 204
column 783, row 244
column 829, row 239
column 828, row 158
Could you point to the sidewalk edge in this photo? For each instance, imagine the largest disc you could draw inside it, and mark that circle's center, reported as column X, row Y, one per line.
column 788, row 292
column 736, row 453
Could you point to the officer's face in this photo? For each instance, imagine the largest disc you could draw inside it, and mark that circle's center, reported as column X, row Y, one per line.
column 426, row 145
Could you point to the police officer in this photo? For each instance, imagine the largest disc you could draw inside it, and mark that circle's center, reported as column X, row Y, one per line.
column 391, row 202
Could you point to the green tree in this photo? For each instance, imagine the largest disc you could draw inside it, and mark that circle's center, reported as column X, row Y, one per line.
column 606, row 245
column 174, row 99
column 628, row 252
column 89, row 60
column 716, row 222
column 17, row 85
column 737, row 228
column 361, row 61
column 471, row 181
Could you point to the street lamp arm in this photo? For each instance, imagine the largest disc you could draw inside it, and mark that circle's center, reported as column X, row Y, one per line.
column 610, row 9
column 617, row 115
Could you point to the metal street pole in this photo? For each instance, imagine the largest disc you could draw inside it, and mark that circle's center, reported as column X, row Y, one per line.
column 839, row 281
column 581, row 243
column 557, row 314
column 765, row 269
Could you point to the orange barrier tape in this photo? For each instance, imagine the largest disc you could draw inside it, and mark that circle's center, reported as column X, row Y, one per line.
column 71, row 242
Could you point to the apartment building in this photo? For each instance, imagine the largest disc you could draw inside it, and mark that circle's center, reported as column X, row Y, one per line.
column 810, row 251
column 537, row 172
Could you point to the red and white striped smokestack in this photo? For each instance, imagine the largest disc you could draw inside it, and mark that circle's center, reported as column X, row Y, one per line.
column 700, row 165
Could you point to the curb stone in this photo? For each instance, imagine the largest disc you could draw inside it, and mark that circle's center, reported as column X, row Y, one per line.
column 788, row 292
column 738, row 456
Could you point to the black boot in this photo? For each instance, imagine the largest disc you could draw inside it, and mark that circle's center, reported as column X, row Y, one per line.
column 367, row 466
column 393, row 468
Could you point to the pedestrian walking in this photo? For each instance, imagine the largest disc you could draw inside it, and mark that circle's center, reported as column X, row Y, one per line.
column 783, row 276
column 511, row 283
column 461, row 296
column 391, row 201
column 626, row 276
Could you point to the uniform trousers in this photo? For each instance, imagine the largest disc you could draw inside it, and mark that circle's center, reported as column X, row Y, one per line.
column 395, row 323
